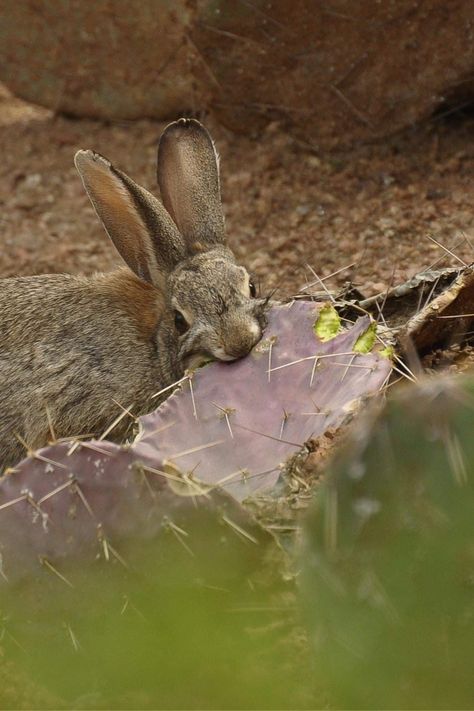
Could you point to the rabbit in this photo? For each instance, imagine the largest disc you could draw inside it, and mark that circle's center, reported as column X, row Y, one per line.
column 73, row 349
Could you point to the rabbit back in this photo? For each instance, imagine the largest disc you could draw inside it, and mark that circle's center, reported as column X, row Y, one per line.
column 71, row 348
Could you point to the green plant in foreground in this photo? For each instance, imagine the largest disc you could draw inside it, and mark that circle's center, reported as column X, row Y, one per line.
column 388, row 565
column 200, row 621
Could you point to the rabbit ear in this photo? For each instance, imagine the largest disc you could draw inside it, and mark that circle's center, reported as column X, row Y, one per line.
column 136, row 222
column 188, row 176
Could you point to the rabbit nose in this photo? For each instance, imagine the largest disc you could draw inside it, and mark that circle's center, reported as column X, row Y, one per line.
column 240, row 344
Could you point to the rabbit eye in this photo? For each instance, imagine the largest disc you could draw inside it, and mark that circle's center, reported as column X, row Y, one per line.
column 180, row 322
column 253, row 289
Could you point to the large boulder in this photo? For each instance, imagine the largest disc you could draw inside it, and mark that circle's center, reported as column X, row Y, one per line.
column 108, row 59
column 338, row 71
column 333, row 72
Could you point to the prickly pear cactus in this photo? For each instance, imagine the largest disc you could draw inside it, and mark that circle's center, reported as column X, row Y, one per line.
column 229, row 428
column 389, row 556
column 234, row 425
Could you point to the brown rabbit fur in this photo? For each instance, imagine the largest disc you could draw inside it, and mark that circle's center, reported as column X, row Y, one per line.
column 74, row 349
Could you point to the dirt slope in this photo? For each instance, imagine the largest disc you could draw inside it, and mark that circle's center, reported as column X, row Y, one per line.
column 286, row 207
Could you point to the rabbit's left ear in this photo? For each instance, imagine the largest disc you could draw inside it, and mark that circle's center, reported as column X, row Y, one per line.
column 188, row 176
column 137, row 223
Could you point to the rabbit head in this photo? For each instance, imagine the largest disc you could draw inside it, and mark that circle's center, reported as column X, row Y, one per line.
column 178, row 246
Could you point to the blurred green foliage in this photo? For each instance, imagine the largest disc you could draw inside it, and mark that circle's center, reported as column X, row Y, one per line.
column 199, row 618
column 389, row 557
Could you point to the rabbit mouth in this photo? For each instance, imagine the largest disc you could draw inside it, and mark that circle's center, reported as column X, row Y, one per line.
column 196, row 360
column 221, row 354
column 215, row 346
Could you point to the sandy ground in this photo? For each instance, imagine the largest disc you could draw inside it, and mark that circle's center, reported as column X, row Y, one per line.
column 285, row 206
